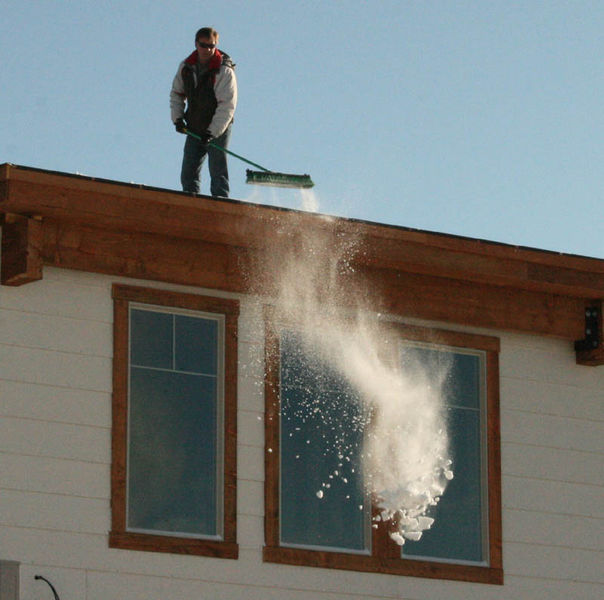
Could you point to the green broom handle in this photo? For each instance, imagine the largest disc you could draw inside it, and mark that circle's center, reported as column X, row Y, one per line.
column 249, row 162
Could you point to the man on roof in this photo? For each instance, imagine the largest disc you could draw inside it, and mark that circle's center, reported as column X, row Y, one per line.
column 203, row 101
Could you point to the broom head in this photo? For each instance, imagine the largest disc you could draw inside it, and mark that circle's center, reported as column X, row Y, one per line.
column 274, row 179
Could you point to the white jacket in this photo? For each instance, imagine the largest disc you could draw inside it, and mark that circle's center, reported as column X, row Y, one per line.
column 225, row 89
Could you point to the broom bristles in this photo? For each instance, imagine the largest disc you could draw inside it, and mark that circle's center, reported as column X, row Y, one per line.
column 272, row 178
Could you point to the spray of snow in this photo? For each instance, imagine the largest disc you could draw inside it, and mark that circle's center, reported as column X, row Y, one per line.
column 405, row 450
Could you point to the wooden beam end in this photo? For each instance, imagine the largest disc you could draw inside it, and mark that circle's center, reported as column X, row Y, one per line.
column 21, row 250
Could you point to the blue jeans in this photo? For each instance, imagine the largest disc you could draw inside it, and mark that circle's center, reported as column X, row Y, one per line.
column 193, row 158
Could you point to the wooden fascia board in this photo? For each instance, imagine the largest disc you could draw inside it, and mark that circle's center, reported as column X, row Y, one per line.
column 146, row 256
column 493, row 307
column 127, row 207
column 229, row 269
column 481, row 267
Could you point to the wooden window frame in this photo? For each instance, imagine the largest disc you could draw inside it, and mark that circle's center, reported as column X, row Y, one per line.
column 119, row 536
column 385, row 554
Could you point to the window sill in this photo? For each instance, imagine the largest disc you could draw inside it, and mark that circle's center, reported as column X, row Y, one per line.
column 173, row 545
column 391, row 566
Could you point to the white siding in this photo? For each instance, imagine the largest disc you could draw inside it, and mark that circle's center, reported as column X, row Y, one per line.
column 55, row 420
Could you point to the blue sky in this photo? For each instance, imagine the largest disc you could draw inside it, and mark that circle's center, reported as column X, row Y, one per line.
column 475, row 118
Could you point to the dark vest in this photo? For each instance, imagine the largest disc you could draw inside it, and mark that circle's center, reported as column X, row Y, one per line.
column 199, row 89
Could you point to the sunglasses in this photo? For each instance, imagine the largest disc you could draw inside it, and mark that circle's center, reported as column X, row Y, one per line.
column 204, row 45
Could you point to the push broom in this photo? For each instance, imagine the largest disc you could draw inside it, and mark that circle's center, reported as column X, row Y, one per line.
column 264, row 176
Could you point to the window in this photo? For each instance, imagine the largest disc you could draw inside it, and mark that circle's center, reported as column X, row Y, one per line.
column 459, row 533
column 315, row 425
column 174, row 422
column 316, row 441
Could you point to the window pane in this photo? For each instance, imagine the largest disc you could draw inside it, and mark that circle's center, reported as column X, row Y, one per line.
column 305, row 370
column 196, row 344
column 172, row 479
column 462, row 384
column 463, row 381
column 151, row 339
column 457, row 531
column 321, row 437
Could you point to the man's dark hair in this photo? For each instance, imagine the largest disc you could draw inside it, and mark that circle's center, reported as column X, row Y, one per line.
column 206, row 32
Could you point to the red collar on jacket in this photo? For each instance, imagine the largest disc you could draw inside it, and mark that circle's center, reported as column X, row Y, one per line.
column 214, row 63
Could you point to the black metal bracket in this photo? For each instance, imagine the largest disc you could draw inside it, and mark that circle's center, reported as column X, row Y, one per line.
column 593, row 327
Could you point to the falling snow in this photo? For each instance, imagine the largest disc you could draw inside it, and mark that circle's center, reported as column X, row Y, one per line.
column 393, row 418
